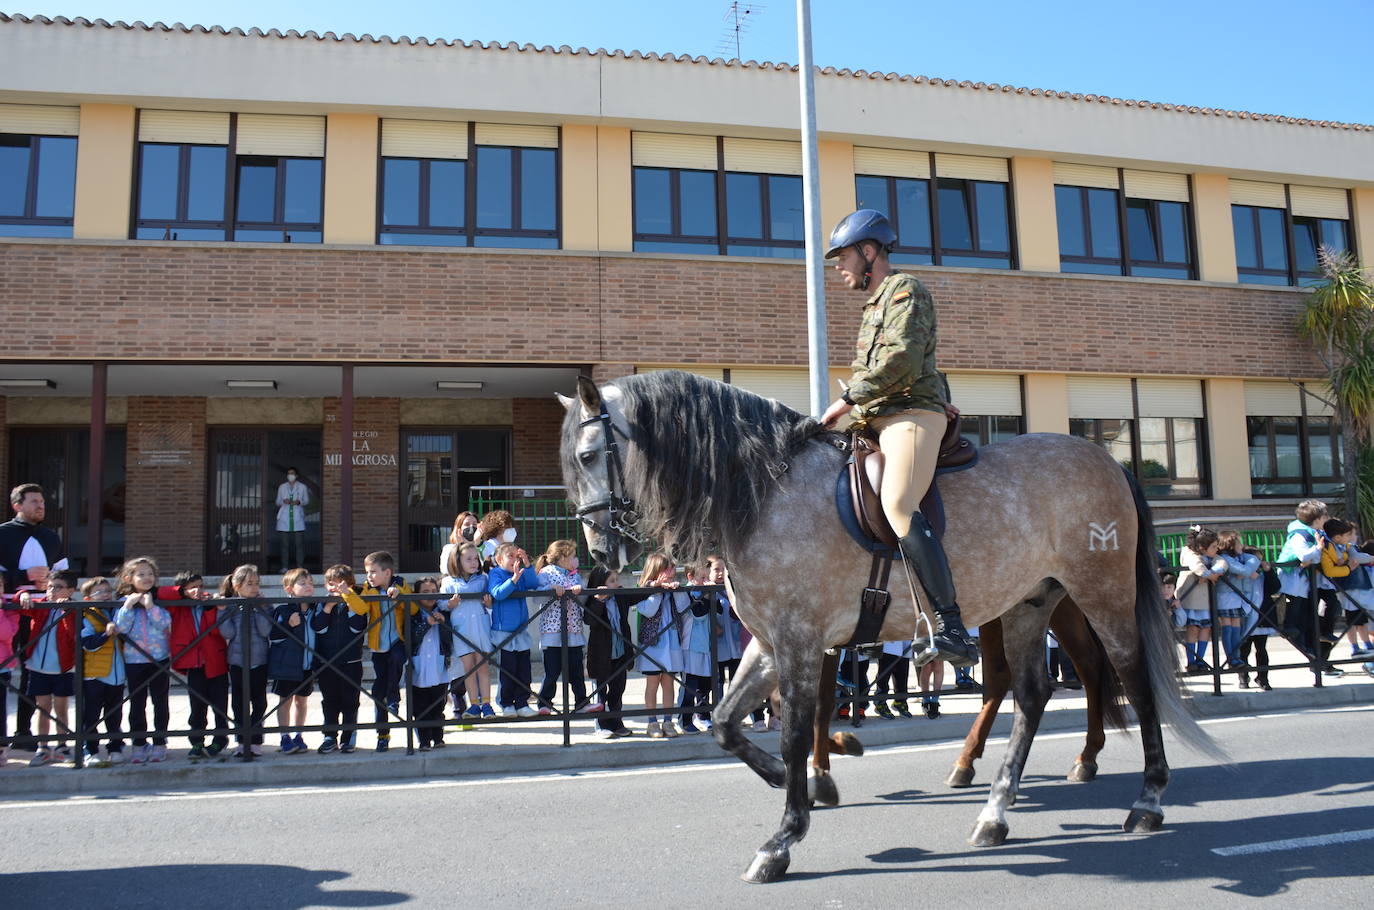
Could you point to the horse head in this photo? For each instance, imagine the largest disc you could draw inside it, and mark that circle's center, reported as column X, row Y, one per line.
column 593, row 452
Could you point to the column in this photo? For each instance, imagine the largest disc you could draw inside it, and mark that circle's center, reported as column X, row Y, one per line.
column 1037, row 230
column 580, row 179
column 1047, row 402
column 104, row 172
column 350, row 178
column 1216, row 239
column 615, row 208
column 1227, row 442
column 835, row 165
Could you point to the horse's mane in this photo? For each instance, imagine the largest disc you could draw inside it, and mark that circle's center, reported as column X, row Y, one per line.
column 705, row 458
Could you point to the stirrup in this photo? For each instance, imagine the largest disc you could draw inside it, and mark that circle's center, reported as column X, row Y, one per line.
column 922, row 655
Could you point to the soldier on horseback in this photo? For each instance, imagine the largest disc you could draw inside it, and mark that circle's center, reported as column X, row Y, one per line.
column 898, row 393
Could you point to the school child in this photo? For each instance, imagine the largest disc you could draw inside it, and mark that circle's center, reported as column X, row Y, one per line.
column 1236, row 595
column 729, row 639
column 339, row 629
column 429, row 664
column 851, row 675
column 1336, row 568
column 695, row 630
column 145, row 628
column 1304, row 546
column 931, row 679
column 557, row 569
column 660, row 639
column 609, row 650
column 103, row 673
column 1201, row 567
column 9, row 625
column 49, row 659
column 510, row 617
column 495, row 528
column 1259, row 622
column 199, row 654
column 290, row 657
column 255, row 628
column 894, row 668
column 385, row 637
column 1357, row 596
column 471, row 622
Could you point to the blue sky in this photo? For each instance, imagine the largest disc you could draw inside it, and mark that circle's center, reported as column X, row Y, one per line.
column 1261, row 55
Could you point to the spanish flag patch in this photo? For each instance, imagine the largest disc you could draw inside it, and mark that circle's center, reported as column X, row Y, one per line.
column 900, row 296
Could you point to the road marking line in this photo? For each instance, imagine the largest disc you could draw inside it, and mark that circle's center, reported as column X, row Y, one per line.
column 1296, row 843
column 723, row 763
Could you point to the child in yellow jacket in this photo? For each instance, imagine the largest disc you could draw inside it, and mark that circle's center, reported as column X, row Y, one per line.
column 386, row 635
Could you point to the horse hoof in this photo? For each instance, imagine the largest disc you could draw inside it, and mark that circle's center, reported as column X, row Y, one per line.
column 988, row 834
column 1143, row 821
column 766, row 868
column 960, row 778
column 1082, row 772
column 821, row 789
column 848, row 743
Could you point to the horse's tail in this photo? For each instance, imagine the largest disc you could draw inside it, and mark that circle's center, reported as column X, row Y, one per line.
column 1157, row 639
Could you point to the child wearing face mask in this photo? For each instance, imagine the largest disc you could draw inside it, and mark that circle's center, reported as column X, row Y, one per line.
column 495, row 528
column 464, row 531
column 557, row 570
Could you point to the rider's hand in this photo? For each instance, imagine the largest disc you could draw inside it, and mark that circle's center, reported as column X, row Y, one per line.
column 839, row 408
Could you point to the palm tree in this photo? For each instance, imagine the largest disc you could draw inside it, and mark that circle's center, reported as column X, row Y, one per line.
column 1338, row 320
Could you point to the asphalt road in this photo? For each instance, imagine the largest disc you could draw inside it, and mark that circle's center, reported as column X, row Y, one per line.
column 1293, row 820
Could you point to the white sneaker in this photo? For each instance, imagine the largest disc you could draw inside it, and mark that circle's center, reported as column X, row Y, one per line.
column 655, row 731
column 527, row 711
column 257, row 750
column 117, row 758
column 602, row 733
column 508, row 711
column 159, row 753
column 140, row 755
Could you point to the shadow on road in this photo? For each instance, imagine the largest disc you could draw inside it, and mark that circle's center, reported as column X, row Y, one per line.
column 221, row 884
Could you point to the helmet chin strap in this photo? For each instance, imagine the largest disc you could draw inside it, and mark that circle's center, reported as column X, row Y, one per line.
column 868, row 270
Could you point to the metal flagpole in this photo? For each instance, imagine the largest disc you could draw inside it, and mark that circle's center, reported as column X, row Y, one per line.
column 818, row 359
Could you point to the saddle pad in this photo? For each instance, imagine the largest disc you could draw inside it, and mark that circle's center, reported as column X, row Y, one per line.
column 932, row 507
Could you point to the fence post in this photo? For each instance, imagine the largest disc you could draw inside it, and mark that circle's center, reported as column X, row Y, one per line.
column 245, row 719
column 1216, row 645
column 563, row 646
column 1315, row 629
column 408, row 634
column 79, row 690
column 714, row 625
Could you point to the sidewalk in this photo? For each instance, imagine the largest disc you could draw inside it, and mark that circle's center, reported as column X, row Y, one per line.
column 528, row 747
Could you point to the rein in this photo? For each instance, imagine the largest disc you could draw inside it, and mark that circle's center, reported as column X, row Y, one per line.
column 620, row 509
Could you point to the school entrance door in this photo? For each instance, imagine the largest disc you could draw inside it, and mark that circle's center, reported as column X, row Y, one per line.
column 246, row 466
column 441, row 466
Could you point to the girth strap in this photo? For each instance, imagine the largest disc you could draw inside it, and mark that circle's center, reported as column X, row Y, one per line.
column 874, row 602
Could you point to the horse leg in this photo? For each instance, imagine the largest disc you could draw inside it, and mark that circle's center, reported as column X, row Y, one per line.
column 1071, row 628
column 996, row 682
column 821, row 786
column 1023, row 630
column 1146, row 813
column 753, row 682
column 798, row 671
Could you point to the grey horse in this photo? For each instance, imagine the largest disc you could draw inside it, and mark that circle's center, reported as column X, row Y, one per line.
column 703, row 467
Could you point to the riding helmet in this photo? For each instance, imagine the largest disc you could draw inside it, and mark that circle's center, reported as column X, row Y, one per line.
column 865, row 224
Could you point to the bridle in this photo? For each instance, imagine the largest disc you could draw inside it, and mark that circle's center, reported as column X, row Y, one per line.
column 620, row 509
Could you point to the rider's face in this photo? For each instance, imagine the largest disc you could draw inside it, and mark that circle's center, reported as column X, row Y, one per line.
column 851, row 265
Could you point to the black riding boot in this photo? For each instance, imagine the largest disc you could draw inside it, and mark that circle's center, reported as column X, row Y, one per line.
column 926, row 557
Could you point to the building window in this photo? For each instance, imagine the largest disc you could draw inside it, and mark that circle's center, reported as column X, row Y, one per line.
column 517, row 198
column 985, row 430
column 675, row 211
column 1153, row 427
column 1309, row 234
column 1261, row 247
column 763, row 216
column 1295, row 448
column 424, row 202
column 181, row 192
column 279, row 199
column 974, row 218
column 1089, row 229
column 906, row 202
column 37, row 185
column 1159, row 239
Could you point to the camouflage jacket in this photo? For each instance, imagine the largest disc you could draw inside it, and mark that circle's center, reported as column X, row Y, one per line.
column 894, row 368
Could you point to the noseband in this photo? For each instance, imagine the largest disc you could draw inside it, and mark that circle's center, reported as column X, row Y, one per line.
column 620, row 509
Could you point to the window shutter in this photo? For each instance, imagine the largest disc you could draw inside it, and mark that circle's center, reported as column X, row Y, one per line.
column 40, row 119
column 1320, row 202
column 971, row 167
column 763, row 156
column 425, row 139
column 1317, row 407
column 193, row 127
column 1085, row 175
column 892, row 163
column 788, row 386
column 280, row 134
column 694, row 153
column 534, row 137
column 1156, row 185
column 1252, row 192
column 986, row 394
column 1272, row 399
column 1100, row 396
column 1169, row 397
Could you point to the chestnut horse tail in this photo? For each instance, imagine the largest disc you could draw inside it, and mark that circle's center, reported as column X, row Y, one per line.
column 1113, row 696
column 1157, row 646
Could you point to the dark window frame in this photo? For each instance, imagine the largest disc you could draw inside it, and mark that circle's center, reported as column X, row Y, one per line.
column 767, row 241
column 1310, row 277
column 1292, row 275
column 278, row 201
column 422, row 227
column 1307, row 480
column 1254, row 213
column 1204, row 478
column 29, row 217
column 893, row 214
column 969, row 190
column 1085, row 216
column 675, row 209
column 1189, row 266
column 183, row 187
column 982, row 433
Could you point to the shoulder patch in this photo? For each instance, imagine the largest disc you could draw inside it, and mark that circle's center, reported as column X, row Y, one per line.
column 900, row 296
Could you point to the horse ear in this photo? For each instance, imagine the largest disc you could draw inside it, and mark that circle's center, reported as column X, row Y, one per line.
column 564, row 400
column 589, row 393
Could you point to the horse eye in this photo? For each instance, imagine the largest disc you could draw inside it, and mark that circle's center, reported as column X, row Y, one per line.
column 586, row 457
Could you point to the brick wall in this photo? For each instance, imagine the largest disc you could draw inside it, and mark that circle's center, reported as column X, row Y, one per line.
column 534, row 443
column 209, row 303
column 376, row 514
column 166, row 482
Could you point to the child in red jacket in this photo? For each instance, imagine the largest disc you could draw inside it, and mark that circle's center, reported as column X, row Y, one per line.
column 49, row 656
column 198, row 653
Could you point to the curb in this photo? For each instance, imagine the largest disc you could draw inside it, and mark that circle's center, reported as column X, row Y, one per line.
column 480, row 760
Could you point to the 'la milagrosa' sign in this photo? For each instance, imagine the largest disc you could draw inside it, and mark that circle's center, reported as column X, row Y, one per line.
column 363, row 456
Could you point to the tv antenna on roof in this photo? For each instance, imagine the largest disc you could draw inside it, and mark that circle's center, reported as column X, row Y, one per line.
column 739, row 18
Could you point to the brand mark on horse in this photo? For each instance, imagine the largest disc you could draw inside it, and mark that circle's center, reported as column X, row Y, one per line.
column 1097, row 534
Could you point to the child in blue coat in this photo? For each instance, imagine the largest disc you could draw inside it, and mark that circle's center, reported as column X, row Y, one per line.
column 510, row 618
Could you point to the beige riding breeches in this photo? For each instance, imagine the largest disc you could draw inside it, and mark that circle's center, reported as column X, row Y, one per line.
column 910, row 443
